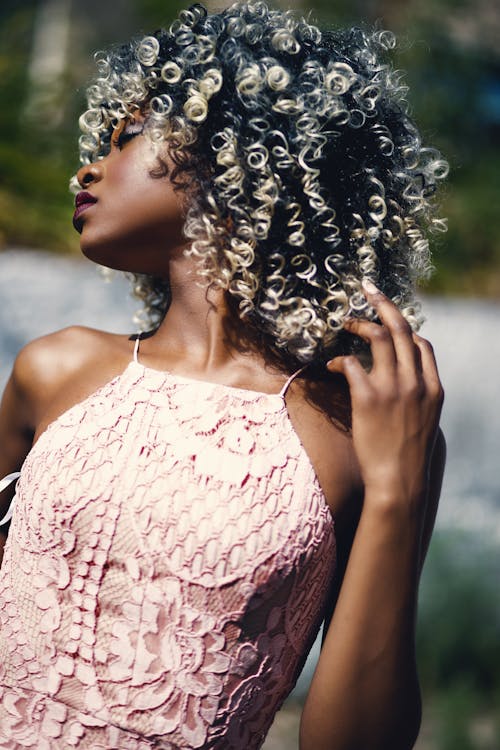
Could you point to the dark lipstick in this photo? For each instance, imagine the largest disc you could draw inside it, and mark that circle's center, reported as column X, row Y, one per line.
column 83, row 200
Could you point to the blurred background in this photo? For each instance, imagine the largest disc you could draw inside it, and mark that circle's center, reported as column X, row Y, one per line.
column 450, row 50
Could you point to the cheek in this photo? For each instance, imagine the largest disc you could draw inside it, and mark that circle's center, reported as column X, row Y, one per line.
column 147, row 201
column 159, row 201
column 161, row 210
column 139, row 219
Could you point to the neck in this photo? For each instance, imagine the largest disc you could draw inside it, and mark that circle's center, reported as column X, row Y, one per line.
column 195, row 327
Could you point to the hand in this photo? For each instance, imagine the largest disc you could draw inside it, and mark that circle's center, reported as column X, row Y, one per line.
column 395, row 407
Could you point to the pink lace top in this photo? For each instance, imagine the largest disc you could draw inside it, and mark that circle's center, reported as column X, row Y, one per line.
column 166, row 569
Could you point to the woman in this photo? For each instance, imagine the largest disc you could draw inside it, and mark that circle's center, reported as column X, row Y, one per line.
column 194, row 501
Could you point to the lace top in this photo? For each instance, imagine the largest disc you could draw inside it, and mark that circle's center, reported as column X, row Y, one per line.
column 166, row 569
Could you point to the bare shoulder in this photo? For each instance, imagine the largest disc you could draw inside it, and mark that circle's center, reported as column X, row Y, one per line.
column 320, row 413
column 50, row 375
column 47, row 361
column 58, row 367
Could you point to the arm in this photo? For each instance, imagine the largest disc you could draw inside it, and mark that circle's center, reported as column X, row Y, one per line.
column 365, row 694
column 16, row 431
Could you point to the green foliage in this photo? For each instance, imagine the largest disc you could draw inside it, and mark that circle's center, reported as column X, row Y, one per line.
column 458, row 635
column 454, row 714
column 447, row 86
column 469, row 257
column 458, row 642
column 450, row 111
column 157, row 13
column 35, row 206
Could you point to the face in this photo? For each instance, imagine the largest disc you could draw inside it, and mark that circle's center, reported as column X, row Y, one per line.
column 127, row 218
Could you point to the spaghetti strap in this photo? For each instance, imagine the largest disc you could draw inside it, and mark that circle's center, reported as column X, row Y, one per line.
column 282, row 393
column 136, row 347
column 4, row 483
column 292, row 377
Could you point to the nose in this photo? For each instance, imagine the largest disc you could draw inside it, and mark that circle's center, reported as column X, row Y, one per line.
column 89, row 174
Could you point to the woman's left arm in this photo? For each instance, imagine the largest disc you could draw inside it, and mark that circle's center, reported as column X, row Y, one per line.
column 365, row 693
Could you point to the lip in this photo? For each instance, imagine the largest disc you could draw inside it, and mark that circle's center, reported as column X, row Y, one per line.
column 83, row 201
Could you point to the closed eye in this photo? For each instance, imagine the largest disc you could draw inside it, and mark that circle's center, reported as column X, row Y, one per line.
column 129, row 132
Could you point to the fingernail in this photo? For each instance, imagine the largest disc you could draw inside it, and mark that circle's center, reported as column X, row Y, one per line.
column 369, row 286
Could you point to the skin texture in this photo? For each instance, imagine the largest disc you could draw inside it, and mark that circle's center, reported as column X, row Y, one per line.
column 395, row 416
column 381, row 479
column 133, row 210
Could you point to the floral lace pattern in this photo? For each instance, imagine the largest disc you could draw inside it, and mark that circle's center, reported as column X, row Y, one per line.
column 166, row 570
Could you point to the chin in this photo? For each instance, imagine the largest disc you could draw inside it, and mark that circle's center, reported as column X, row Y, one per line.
column 119, row 260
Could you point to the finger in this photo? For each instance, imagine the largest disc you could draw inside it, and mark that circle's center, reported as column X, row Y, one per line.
column 400, row 330
column 350, row 367
column 380, row 340
column 429, row 365
column 418, row 354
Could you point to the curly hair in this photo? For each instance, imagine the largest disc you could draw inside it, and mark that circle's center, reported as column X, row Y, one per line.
column 305, row 171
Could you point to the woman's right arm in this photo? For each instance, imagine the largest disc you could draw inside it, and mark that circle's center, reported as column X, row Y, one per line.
column 16, row 428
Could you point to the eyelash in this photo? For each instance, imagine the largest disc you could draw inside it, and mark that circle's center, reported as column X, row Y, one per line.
column 125, row 136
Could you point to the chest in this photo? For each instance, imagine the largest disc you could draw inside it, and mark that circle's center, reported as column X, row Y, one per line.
column 208, row 481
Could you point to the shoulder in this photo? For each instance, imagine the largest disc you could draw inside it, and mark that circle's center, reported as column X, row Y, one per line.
column 320, row 412
column 51, row 357
column 45, row 365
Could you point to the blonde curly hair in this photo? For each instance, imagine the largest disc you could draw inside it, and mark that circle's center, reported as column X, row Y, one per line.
column 305, row 171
